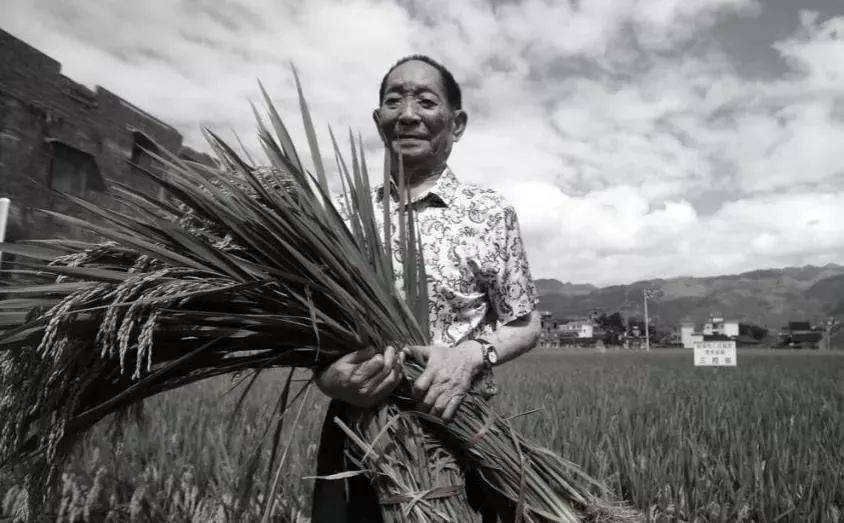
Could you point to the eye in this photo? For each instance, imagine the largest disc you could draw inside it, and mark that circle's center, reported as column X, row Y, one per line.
column 427, row 103
column 391, row 101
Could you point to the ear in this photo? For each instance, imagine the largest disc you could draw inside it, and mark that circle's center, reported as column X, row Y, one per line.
column 376, row 117
column 460, row 121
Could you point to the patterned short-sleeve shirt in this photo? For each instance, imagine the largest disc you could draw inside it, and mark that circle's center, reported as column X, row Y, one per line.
column 478, row 273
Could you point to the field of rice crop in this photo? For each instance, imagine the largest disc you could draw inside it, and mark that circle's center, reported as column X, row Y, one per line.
column 760, row 442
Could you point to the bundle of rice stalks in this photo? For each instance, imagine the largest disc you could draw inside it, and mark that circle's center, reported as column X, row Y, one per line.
column 243, row 269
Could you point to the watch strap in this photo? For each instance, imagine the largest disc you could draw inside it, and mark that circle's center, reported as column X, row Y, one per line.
column 487, row 385
column 486, row 346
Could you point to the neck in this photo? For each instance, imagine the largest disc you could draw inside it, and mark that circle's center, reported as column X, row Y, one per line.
column 419, row 179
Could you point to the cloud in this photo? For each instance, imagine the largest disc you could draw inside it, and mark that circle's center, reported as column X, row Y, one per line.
column 664, row 24
column 625, row 135
column 193, row 63
column 793, row 133
column 607, row 235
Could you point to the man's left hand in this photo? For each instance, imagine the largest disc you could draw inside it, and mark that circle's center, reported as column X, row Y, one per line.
column 448, row 376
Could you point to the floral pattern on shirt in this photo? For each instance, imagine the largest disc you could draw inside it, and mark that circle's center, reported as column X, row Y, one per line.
column 478, row 273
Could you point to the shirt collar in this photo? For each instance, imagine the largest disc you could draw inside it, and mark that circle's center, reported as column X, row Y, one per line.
column 444, row 190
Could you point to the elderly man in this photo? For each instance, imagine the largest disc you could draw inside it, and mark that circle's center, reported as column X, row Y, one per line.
column 481, row 296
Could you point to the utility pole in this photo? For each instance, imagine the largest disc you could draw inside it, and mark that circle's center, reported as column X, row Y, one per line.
column 625, row 310
column 647, row 334
column 831, row 326
column 649, row 293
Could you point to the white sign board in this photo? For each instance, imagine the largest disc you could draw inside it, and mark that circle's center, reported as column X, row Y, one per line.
column 715, row 354
column 4, row 216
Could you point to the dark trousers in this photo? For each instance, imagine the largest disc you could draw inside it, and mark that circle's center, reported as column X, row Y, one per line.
column 354, row 500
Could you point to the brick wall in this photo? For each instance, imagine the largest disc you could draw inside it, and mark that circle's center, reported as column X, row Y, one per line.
column 40, row 107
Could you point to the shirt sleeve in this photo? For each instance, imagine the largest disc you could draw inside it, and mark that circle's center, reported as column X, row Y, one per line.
column 512, row 293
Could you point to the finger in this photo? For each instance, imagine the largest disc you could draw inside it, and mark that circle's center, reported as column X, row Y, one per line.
column 441, row 403
column 360, row 356
column 423, row 383
column 452, row 406
column 390, row 357
column 386, row 386
column 450, row 390
column 373, row 381
column 419, row 352
column 434, row 393
column 368, row 369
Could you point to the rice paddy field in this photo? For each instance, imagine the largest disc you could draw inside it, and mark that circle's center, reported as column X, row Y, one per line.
column 759, row 442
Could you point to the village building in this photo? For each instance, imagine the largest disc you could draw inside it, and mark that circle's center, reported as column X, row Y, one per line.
column 559, row 332
column 718, row 326
column 714, row 328
column 57, row 135
column 547, row 321
column 801, row 334
column 583, row 329
column 688, row 335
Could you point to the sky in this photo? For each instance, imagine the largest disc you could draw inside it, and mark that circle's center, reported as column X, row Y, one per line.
column 636, row 139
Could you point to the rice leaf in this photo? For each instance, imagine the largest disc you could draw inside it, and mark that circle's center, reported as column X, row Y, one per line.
column 309, row 132
column 281, row 131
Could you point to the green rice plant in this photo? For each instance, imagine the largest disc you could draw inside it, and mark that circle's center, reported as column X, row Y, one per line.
column 246, row 269
column 759, row 442
column 754, row 443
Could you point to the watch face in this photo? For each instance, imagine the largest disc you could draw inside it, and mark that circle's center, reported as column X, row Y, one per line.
column 492, row 356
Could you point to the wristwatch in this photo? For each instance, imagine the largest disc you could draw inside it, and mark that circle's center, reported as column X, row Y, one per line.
column 490, row 357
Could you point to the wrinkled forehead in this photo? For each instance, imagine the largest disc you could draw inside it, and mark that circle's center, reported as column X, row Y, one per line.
column 415, row 75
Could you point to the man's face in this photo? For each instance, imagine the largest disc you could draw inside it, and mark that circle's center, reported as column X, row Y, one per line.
column 415, row 115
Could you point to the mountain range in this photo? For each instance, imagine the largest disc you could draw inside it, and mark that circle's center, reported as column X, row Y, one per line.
column 769, row 297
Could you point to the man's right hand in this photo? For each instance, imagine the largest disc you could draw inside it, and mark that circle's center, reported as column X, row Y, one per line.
column 362, row 378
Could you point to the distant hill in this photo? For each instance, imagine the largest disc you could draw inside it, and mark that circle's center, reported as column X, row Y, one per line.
column 556, row 287
column 829, row 291
column 769, row 297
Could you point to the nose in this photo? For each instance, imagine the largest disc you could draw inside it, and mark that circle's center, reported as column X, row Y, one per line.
column 408, row 112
